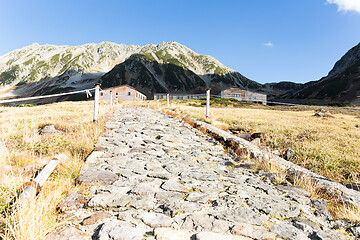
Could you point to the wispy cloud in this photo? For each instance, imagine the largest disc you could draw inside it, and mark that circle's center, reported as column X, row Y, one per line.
column 269, row 44
column 346, row 5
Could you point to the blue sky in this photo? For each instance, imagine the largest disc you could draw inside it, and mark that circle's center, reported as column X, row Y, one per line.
column 265, row 40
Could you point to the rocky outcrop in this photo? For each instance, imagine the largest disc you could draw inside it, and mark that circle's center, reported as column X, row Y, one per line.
column 174, row 182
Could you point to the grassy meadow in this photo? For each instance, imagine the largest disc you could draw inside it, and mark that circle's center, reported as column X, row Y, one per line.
column 27, row 151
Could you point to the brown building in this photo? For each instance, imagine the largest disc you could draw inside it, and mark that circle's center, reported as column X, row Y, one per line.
column 243, row 95
column 123, row 93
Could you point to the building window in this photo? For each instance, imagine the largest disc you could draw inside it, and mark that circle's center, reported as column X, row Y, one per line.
column 178, row 97
column 191, row 97
column 102, row 94
column 171, row 97
column 250, row 98
column 233, row 95
column 254, row 97
column 117, row 93
column 181, row 97
column 198, row 97
column 129, row 93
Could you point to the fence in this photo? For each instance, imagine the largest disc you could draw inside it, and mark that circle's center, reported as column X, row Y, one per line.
column 96, row 90
column 87, row 91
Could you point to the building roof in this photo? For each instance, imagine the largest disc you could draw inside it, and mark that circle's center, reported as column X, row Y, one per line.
column 125, row 85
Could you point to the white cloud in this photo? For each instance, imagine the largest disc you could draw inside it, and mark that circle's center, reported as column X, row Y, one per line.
column 269, row 44
column 346, row 5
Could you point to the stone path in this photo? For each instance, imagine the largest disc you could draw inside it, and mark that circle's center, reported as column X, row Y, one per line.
column 154, row 177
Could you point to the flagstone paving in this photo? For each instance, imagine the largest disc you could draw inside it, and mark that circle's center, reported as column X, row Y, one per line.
column 152, row 176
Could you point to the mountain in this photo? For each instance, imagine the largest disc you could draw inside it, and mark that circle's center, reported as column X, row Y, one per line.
column 169, row 66
column 172, row 67
column 279, row 89
column 39, row 69
column 341, row 84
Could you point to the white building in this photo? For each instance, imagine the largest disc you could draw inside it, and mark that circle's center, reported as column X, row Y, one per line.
column 243, row 95
column 123, row 93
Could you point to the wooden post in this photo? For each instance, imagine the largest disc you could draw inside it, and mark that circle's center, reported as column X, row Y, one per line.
column 207, row 103
column 168, row 99
column 111, row 99
column 36, row 184
column 158, row 105
column 96, row 102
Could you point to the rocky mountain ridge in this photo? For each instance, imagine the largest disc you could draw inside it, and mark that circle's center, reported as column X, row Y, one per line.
column 166, row 67
column 40, row 69
column 342, row 84
column 351, row 57
column 150, row 75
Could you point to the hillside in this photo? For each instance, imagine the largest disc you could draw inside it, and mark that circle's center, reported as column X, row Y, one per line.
column 51, row 68
column 174, row 68
column 341, row 84
column 169, row 66
column 280, row 89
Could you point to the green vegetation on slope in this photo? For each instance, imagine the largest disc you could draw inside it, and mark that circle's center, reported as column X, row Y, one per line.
column 9, row 75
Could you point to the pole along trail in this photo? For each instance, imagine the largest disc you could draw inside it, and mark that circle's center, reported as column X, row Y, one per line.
column 152, row 176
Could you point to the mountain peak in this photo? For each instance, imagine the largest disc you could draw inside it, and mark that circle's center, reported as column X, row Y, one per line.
column 173, row 45
column 32, row 46
column 352, row 56
column 76, row 67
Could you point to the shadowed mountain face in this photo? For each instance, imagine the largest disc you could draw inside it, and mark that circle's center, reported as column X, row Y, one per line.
column 341, row 84
column 149, row 76
column 344, row 86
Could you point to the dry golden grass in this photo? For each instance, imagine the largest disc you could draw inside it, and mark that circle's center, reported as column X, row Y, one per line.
column 327, row 146
column 272, row 167
column 28, row 151
column 338, row 208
